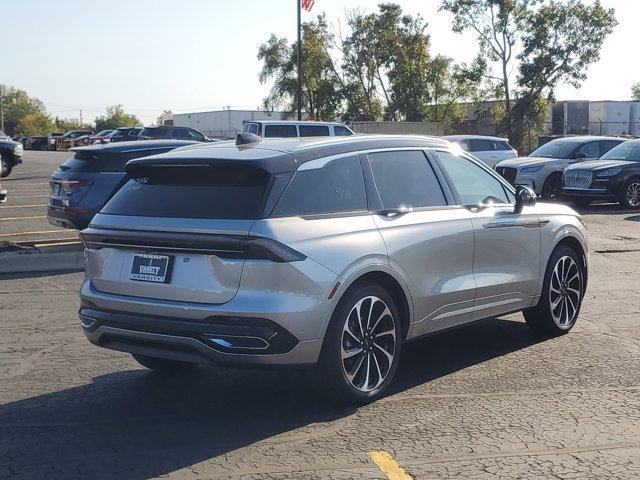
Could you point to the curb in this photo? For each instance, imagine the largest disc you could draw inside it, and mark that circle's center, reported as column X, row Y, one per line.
column 42, row 258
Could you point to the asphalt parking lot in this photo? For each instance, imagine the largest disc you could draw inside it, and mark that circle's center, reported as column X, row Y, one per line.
column 489, row 400
column 24, row 216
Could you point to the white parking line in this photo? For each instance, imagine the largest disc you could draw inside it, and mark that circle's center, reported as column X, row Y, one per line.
column 22, row 218
column 39, row 232
column 21, row 206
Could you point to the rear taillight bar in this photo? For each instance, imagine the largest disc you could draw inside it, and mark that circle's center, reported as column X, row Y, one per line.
column 223, row 246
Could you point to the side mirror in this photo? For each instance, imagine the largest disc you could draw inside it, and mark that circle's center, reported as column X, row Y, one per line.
column 525, row 197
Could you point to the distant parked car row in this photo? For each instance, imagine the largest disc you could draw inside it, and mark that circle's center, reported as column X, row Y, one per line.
column 580, row 169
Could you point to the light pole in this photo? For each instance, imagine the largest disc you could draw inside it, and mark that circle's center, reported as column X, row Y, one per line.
column 299, row 84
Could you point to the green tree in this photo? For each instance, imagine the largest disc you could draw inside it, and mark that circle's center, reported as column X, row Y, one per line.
column 18, row 104
column 164, row 115
column 556, row 41
column 320, row 90
column 635, row 92
column 561, row 40
column 37, row 123
column 66, row 124
column 116, row 117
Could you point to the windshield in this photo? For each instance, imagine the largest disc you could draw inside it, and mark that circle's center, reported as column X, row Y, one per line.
column 103, row 133
column 625, row 151
column 556, row 149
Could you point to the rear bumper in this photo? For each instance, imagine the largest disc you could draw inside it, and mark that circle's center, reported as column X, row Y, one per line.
column 194, row 342
column 69, row 217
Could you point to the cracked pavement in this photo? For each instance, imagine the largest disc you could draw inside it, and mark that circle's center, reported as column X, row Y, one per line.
column 489, row 400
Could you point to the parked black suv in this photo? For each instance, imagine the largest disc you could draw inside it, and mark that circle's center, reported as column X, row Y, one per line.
column 84, row 183
column 10, row 154
column 168, row 132
column 615, row 177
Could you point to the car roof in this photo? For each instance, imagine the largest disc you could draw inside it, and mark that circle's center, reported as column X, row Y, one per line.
column 475, row 137
column 295, row 122
column 585, row 138
column 134, row 145
column 285, row 154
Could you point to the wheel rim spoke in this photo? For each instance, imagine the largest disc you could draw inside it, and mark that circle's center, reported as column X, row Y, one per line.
column 368, row 349
column 565, row 291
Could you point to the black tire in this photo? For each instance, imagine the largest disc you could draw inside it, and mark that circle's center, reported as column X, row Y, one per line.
column 542, row 318
column 333, row 367
column 162, row 364
column 552, row 187
column 6, row 169
column 630, row 194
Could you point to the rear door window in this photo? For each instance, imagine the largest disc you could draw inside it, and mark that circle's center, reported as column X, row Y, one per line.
column 500, row 145
column 340, row 131
column 405, row 179
column 313, row 130
column 336, row 187
column 607, row 145
column 478, row 145
column 223, row 191
column 280, row 131
column 196, row 135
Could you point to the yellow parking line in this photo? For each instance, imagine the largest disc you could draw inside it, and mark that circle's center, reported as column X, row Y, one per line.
column 21, row 218
column 21, row 206
column 389, row 466
column 32, row 233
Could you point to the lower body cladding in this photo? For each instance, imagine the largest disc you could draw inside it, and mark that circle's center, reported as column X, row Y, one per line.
column 269, row 320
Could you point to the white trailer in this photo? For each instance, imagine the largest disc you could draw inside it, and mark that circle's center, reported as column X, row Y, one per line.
column 609, row 118
column 222, row 123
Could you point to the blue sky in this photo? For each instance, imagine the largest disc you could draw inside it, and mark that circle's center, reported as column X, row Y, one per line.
column 194, row 55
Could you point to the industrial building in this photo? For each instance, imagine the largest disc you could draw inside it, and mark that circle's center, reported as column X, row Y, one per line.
column 605, row 117
column 223, row 123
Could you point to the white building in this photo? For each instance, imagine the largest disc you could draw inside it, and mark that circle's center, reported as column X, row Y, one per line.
column 222, row 123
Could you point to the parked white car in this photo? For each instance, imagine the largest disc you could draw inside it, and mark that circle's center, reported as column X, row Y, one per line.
column 490, row 150
column 542, row 169
column 291, row 128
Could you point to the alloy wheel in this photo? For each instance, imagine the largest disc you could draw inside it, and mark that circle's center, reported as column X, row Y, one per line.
column 368, row 344
column 565, row 291
column 633, row 194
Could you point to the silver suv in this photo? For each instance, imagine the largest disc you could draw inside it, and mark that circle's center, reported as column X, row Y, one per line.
column 325, row 252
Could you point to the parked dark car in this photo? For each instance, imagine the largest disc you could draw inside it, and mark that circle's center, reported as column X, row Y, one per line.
column 10, row 154
column 124, row 134
column 84, row 183
column 37, row 142
column 168, row 132
column 3, row 195
column 67, row 140
column 615, row 177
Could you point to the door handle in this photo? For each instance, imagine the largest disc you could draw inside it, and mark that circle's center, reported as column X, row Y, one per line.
column 393, row 212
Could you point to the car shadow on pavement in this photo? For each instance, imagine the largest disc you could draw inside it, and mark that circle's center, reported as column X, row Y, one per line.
column 633, row 218
column 138, row 424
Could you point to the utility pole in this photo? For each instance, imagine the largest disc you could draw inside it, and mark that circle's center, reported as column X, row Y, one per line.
column 80, row 116
column 299, row 85
column 1, row 109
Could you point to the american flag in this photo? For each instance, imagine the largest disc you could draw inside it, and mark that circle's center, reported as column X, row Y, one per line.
column 307, row 4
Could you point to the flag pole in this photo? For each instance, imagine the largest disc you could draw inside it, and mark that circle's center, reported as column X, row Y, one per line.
column 299, row 84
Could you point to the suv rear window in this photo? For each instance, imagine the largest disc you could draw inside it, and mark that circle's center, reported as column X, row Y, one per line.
column 280, row 131
column 221, row 191
column 335, row 188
